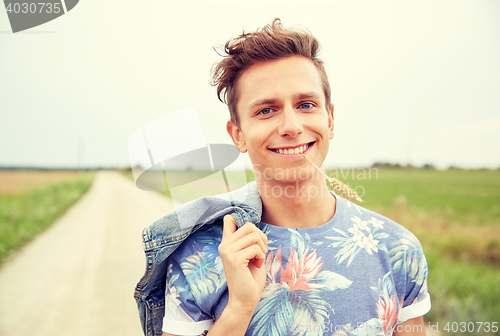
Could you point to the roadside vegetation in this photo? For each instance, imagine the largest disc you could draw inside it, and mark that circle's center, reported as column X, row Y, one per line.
column 28, row 212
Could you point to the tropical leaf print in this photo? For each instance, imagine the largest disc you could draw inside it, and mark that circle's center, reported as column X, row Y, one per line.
column 203, row 279
column 297, row 242
column 270, row 242
column 388, row 305
column 300, row 312
column 172, row 288
column 299, row 271
column 385, row 286
column 169, row 271
column 408, row 258
column 292, row 296
column 376, row 223
column 273, row 315
column 211, row 240
column 331, row 281
column 357, row 207
column 310, row 312
column 172, row 279
column 388, row 312
column 357, row 238
column 208, row 236
column 172, row 292
column 172, row 295
column 300, row 243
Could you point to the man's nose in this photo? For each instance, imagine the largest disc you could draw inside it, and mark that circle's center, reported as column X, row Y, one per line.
column 290, row 124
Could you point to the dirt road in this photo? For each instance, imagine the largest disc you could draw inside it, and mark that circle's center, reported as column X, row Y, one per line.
column 78, row 277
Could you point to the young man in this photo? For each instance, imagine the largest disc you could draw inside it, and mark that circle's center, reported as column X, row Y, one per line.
column 315, row 263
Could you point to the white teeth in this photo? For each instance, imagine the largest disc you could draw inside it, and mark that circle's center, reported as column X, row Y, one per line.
column 296, row 150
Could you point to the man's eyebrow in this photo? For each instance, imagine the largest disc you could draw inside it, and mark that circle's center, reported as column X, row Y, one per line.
column 307, row 95
column 264, row 101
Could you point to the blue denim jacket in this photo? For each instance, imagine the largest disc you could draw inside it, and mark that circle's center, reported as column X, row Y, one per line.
column 162, row 238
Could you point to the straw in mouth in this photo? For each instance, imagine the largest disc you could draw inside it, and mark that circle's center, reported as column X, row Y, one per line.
column 338, row 185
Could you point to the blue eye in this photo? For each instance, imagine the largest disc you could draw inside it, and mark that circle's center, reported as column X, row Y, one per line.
column 266, row 110
column 306, row 106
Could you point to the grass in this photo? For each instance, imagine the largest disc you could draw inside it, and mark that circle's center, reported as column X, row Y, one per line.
column 19, row 181
column 24, row 215
column 467, row 197
column 462, row 291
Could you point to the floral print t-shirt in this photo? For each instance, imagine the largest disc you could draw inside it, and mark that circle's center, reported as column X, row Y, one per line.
column 359, row 274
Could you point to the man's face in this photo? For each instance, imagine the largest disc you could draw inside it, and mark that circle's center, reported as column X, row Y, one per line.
column 282, row 111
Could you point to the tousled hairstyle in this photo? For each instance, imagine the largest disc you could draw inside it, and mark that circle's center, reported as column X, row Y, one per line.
column 271, row 42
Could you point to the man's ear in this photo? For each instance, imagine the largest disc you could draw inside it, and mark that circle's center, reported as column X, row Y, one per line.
column 330, row 122
column 236, row 135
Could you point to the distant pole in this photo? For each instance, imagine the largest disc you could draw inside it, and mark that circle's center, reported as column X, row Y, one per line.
column 409, row 149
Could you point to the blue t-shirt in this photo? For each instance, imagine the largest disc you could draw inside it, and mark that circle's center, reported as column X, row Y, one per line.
column 359, row 274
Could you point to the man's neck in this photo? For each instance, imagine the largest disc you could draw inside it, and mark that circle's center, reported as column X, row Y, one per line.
column 297, row 204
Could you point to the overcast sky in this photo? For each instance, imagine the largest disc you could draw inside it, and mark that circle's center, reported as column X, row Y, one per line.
column 412, row 81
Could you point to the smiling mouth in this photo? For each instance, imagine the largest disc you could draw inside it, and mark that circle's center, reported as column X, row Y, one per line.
column 293, row 150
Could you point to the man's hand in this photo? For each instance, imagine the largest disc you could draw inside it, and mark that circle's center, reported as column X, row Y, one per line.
column 243, row 255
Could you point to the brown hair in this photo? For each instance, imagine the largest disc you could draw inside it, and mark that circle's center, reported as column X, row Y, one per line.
column 270, row 42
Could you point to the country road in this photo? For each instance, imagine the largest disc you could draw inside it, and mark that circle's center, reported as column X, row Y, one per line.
column 78, row 277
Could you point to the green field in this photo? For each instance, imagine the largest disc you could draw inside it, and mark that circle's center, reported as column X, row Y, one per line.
column 24, row 215
column 468, row 197
column 456, row 216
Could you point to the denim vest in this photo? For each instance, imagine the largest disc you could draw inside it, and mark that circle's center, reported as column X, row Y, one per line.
column 166, row 234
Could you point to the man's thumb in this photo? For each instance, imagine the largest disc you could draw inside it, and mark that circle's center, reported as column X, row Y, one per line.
column 230, row 225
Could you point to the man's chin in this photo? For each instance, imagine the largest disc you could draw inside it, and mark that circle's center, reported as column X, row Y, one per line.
column 287, row 175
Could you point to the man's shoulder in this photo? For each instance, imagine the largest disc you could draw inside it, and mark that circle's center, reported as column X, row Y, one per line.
column 361, row 216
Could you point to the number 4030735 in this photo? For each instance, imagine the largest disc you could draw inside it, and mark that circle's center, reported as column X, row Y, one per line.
column 471, row 326
column 33, row 8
